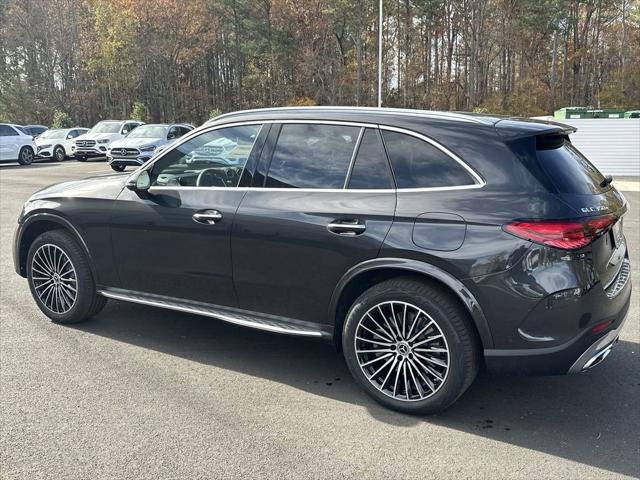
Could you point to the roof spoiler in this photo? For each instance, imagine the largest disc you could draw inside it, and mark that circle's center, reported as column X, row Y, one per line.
column 515, row 129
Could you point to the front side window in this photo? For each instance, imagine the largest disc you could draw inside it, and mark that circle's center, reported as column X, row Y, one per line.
column 212, row 159
column 418, row 164
column 312, row 156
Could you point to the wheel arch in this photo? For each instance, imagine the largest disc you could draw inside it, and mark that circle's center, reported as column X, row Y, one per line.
column 366, row 274
column 36, row 225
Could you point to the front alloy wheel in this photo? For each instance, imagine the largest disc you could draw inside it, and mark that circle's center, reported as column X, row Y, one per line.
column 54, row 278
column 60, row 278
column 59, row 154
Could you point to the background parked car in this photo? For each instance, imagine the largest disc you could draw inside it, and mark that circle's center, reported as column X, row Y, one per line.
column 58, row 143
column 141, row 144
column 96, row 142
column 16, row 145
column 35, row 130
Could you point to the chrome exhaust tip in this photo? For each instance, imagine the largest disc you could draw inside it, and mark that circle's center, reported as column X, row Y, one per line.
column 597, row 358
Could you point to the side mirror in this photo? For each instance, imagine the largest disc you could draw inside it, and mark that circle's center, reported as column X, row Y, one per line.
column 171, row 136
column 140, row 182
column 125, row 131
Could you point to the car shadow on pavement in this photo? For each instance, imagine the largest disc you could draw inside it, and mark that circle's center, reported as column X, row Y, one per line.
column 40, row 163
column 591, row 418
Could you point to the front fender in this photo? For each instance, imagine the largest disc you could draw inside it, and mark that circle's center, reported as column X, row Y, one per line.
column 24, row 233
column 404, row 265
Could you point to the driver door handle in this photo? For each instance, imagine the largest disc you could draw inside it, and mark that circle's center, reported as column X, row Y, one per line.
column 207, row 217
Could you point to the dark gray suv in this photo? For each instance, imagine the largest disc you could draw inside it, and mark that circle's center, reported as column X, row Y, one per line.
column 423, row 244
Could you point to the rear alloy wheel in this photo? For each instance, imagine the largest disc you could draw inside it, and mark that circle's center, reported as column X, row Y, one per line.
column 410, row 345
column 60, row 278
column 59, row 154
column 25, row 157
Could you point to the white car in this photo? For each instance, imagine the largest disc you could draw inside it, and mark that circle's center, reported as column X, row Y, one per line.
column 58, row 143
column 16, row 145
column 97, row 141
column 143, row 143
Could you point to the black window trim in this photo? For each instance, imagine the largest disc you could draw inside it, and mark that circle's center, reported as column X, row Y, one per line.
column 479, row 181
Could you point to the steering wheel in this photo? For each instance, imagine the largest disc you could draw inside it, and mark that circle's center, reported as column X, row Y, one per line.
column 210, row 174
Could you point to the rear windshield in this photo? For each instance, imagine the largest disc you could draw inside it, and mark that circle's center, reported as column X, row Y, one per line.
column 569, row 170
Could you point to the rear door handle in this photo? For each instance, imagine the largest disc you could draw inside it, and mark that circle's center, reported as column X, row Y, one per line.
column 346, row 227
column 207, row 217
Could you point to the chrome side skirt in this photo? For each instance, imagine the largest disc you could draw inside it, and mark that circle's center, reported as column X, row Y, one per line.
column 270, row 323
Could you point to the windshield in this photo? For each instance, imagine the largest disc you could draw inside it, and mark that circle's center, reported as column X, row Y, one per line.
column 106, row 127
column 148, row 131
column 53, row 134
column 21, row 129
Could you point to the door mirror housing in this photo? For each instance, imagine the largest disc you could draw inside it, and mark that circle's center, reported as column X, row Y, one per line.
column 139, row 182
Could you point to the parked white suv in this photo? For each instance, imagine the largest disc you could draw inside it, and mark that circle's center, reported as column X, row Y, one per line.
column 143, row 143
column 16, row 145
column 96, row 142
column 58, row 143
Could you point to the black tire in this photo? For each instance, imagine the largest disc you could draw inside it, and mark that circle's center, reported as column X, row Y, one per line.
column 442, row 311
column 59, row 154
column 118, row 168
column 81, row 158
column 86, row 303
column 25, row 157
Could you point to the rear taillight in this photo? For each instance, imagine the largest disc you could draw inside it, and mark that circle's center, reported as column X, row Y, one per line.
column 564, row 234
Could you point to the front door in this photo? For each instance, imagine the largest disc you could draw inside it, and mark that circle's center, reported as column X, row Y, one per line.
column 175, row 240
column 326, row 204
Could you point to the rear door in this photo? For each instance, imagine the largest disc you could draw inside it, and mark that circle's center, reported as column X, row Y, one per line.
column 9, row 142
column 322, row 201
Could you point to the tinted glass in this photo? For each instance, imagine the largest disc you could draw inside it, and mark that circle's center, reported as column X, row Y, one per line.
column 569, row 170
column 7, row 131
column 148, row 131
column 312, row 156
column 212, row 159
column 371, row 169
column 106, row 127
column 418, row 164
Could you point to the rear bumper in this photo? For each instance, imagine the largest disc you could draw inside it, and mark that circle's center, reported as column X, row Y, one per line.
column 579, row 354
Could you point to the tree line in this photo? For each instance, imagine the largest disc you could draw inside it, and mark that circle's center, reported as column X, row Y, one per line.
column 185, row 60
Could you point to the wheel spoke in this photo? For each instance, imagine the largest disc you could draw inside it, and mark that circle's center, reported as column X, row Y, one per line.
column 417, row 335
column 377, row 359
column 375, row 374
column 415, row 382
column 373, row 341
column 373, row 332
column 386, row 322
column 429, row 339
column 388, row 334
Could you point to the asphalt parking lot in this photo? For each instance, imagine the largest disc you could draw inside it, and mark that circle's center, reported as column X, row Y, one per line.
column 144, row 393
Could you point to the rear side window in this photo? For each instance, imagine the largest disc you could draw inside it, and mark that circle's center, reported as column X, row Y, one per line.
column 7, row 131
column 418, row 164
column 568, row 169
column 371, row 168
column 312, row 156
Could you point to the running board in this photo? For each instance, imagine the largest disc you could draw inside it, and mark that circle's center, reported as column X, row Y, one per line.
column 270, row 323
